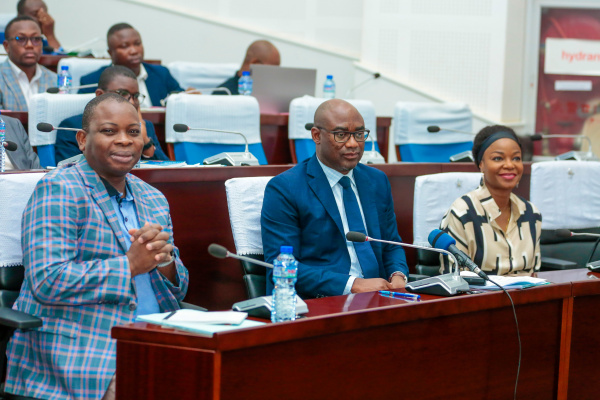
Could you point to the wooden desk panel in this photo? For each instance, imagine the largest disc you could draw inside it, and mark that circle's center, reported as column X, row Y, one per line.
column 584, row 355
column 451, row 348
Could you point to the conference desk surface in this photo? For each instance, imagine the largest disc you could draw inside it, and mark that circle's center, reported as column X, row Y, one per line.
column 365, row 346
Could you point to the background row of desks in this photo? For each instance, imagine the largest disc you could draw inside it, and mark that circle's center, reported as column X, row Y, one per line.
column 372, row 347
column 273, row 131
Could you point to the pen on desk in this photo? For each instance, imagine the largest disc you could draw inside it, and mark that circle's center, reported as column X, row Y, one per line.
column 400, row 295
column 170, row 315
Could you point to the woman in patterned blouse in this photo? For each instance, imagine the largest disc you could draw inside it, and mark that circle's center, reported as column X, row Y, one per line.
column 499, row 230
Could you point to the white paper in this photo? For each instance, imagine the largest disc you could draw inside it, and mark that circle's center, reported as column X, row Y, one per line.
column 575, row 86
column 212, row 317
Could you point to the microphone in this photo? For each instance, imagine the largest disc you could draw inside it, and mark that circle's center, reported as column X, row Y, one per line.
column 373, row 77
column 570, row 155
column 565, row 234
column 308, row 126
column 441, row 240
column 10, row 146
column 46, row 127
column 225, row 158
column 259, row 307
column 436, row 129
column 54, row 90
column 218, row 251
column 440, row 285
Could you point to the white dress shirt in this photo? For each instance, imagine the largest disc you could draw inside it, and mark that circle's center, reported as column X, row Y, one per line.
column 141, row 78
column 333, row 177
column 29, row 88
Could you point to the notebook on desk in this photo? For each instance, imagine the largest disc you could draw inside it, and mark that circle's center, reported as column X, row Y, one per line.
column 274, row 87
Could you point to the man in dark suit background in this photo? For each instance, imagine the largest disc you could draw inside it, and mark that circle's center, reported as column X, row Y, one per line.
column 23, row 157
column 313, row 205
column 259, row 52
column 125, row 48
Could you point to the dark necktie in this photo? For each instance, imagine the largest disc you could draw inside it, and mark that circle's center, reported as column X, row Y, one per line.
column 364, row 251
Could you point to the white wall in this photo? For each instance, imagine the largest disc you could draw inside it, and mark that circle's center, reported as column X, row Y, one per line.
column 431, row 50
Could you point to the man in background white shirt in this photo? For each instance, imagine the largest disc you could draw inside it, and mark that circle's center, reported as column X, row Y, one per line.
column 21, row 75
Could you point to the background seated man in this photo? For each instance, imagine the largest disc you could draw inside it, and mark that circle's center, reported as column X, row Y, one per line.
column 23, row 157
column 259, row 52
column 125, row 48
column 120, row 80
column 98, row 251
column 313, row 205
column 20, row 75
column 38, row 10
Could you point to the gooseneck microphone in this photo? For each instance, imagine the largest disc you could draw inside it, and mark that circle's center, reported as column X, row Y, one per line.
column 46, row 127
column 565, row 234
column 441, row 240
column 374, row 76
column 361, row 237
column 436, row 129
column 441, row 285
column 259, row 307
column 538, row 136
column 10, row 146
column 218, row 251
column 225, row 158
column 54, row 90
column 181, row 128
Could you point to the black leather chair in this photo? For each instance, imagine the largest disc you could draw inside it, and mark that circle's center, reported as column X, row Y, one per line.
column 255, row 277
column 11, row 279
column 568, row 253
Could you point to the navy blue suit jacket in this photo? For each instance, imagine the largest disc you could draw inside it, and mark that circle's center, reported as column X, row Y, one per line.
column 66, row 144
column 160, row 82
column 299, row 210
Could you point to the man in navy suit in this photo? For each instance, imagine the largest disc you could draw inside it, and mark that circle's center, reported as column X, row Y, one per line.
column 125, row 48
column 313, row 205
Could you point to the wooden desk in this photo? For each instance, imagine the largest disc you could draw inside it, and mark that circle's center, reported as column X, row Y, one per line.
column 200, row 217
column 583, row 327
column 361, row 346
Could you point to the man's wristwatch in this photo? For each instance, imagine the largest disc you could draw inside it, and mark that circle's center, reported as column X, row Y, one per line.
column 148, row 145
column 164, row 264
column 398, row 273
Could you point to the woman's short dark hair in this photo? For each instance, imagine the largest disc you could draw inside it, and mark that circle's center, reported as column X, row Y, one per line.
column 487, row 132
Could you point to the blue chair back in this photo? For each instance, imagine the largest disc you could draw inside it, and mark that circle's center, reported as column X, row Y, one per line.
column 196, row 153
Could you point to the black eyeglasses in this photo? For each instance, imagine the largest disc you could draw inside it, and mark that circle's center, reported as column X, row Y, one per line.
column 344, row 136
column 137, row 97
column 22, row 40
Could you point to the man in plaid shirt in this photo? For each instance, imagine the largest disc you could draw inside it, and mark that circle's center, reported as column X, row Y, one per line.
column 98, row 251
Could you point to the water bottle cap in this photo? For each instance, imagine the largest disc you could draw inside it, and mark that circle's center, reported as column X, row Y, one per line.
column 329, row 76
column 246, row 73
column 286, row 249
column 64, row 68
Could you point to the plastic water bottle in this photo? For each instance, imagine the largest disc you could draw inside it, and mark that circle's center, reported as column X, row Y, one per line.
column 285, row 273
column 2, row 149
column 64, row 79
column 329, row 88
column 245, row 84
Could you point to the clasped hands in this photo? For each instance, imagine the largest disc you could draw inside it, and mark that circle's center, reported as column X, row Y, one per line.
column 149, row 247
column 371, row 285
